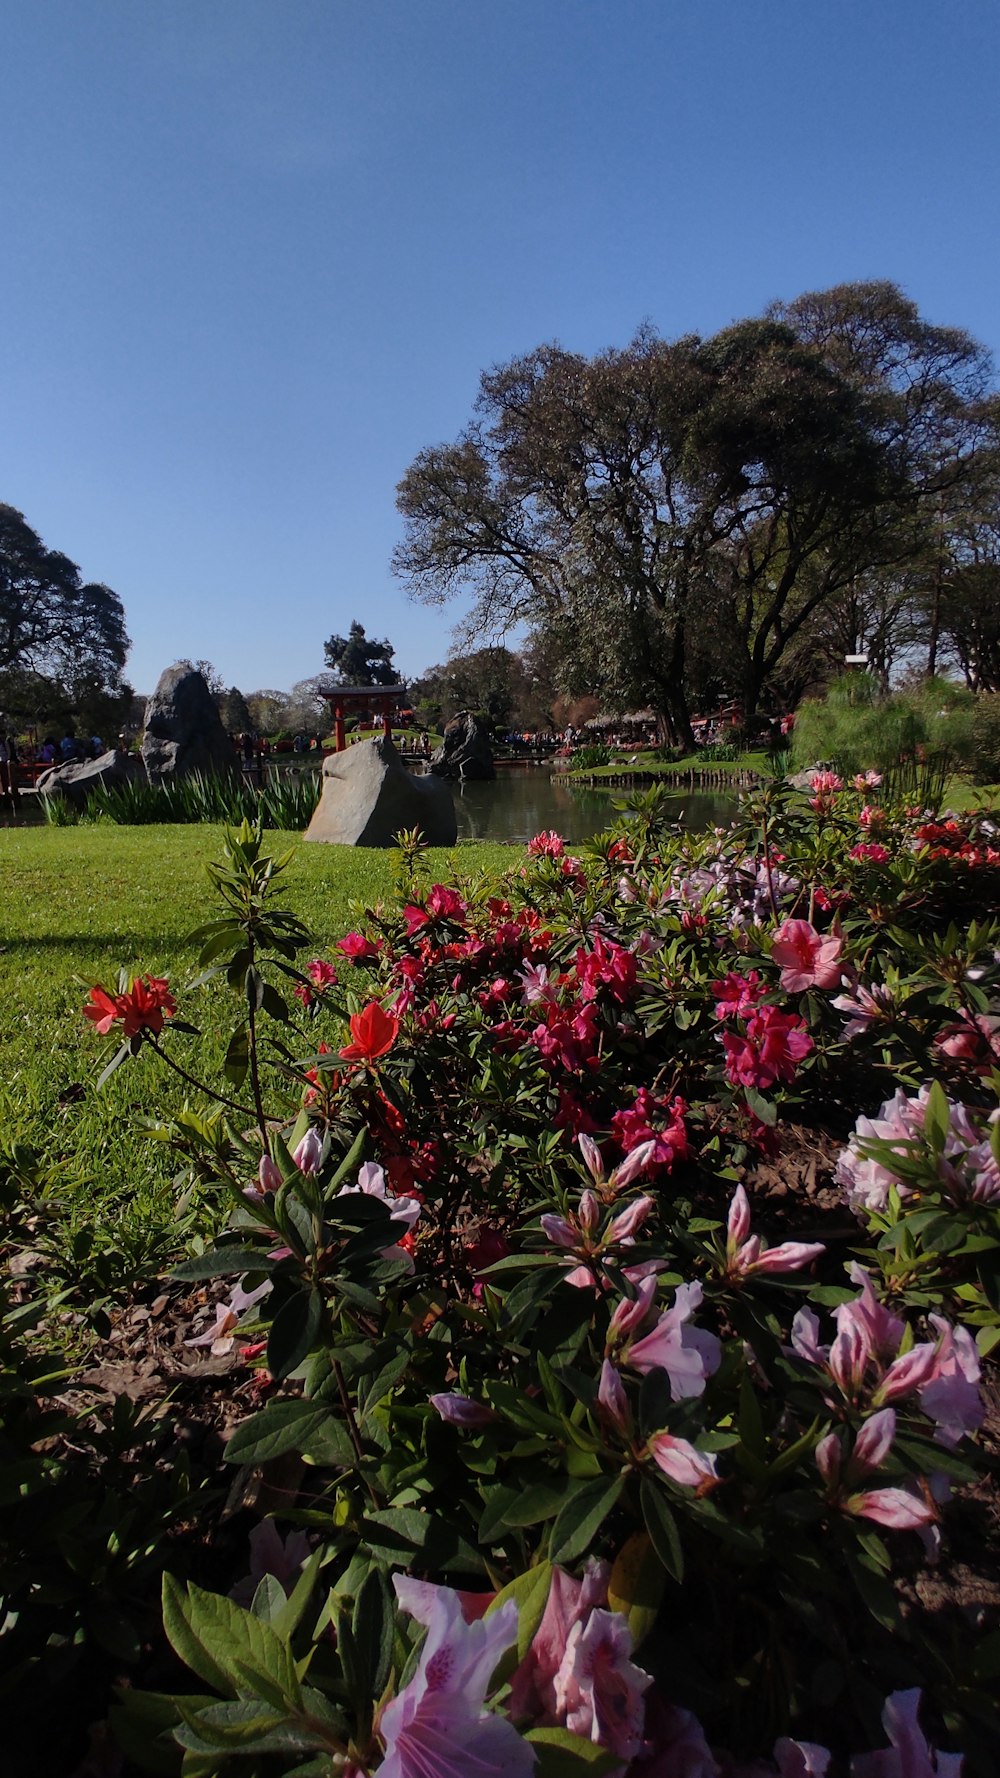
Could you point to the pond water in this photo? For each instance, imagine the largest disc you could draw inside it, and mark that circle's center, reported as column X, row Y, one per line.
column 525, row 800
column 521, row 801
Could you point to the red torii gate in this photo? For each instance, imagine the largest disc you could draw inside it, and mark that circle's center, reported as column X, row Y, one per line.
column 378, row 700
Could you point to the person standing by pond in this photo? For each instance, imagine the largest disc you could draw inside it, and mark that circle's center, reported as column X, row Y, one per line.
column 8, row 760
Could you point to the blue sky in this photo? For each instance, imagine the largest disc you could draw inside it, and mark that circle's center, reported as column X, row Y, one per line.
column 257, row 252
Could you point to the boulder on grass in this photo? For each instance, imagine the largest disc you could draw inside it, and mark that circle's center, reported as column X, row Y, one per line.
column 368, row 796
column 183, row 729
column 75, row 781
column 465, row 750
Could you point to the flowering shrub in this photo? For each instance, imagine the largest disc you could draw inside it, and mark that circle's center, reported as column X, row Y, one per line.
column 558, row 1396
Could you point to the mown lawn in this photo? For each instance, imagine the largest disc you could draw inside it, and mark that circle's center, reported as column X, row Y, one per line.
column 77, row 905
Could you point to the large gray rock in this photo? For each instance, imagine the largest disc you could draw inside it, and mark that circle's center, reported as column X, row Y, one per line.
column 183, row 729
column 368, row 796
column 74, row 782
column 465, row 750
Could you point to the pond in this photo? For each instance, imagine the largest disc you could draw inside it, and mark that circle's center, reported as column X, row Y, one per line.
column 525, row 800
column 522, row 801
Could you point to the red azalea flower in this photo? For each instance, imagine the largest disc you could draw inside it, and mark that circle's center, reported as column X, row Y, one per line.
column 356, row 946
column 146, row 1005
column 374, row 1032
column 103, row 1010
column 144, row 1008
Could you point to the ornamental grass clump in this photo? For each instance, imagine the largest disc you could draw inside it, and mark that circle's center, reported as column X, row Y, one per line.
column 651, row 1457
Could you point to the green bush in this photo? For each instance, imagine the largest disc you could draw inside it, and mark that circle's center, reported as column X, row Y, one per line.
column 985, row 750
column 583, row 759
column 855, row 728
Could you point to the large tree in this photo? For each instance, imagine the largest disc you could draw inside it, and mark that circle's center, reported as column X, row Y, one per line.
column 355, row 659
column 654, row 507
column 55, row 629
column 931, row 395
column 494, row 682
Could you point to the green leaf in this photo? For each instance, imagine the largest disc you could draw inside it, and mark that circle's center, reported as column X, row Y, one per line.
column 530, row 1592
column 636, row 1584
column 373, row 1629
column 185, row 1642
column 762, row 1108
column 561, row 1754
column 227, row 1646
column 143, row 1721
column 243, row 1727
column 937, row 1118
column 116, row 1061
column 399, row 1530
column 222, row 1261
column 237, row 1058
column 662, row 1528
column 294, row 1332
column 281, row 1426
column 533, row 1505
column 269, row 1600
column 582, row 1516
column 350, row 1162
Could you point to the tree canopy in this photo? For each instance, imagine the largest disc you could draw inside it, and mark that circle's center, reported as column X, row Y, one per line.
column 688, row 514
column 356, row 659
column 62, row 640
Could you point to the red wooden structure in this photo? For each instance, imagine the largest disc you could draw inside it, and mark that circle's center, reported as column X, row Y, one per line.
column 360, row 700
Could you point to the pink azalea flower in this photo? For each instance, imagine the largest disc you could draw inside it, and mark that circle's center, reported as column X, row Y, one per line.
column 805, row 958
column 645, row 1155
column 308, row 1153
column 675, row 1745
column 221, row 1336
column 895, row 1508
column 951, row 1397
column 438, row 1722
column 598, row 1690
column 746, row 1253
column 547, row 844
column 270, row 1553
column 910, row 1755
column 461, row 1410
column 681, row 1462
column 268, row 1174
column 570, row 1601
column 612, row 1398
column 689, row 1355
column 371, row 1181
column 322, row 975
column 864, row 1006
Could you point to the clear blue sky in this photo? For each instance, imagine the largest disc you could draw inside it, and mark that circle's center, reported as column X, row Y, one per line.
column 257, row 252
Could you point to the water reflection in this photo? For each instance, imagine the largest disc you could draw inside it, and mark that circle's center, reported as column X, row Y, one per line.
column 522, row 801
column 525, row 800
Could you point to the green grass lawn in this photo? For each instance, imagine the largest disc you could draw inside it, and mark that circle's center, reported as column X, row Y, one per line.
column 78, row 904
column 651, row 762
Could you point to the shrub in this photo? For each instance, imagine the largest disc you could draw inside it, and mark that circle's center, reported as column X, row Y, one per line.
column 520, row 1316
column 985, row 749
column 584, row 759
column 855, row 729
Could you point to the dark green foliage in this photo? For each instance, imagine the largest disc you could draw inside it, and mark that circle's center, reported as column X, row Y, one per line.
column 356, row 660
column 62, row 641
column 286, row 801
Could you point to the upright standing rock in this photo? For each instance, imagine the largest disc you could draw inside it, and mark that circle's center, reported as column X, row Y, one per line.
column 183, row 729
column 368, row 796
column 465, row 750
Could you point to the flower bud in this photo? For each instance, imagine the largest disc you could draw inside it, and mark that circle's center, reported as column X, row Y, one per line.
column 308, row 1153
column 269, row 1174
